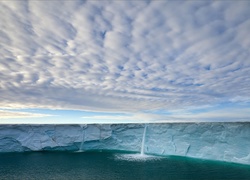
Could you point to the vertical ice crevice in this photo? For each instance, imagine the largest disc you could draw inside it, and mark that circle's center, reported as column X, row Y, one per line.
column 187, row 150
column 143, row 140
column 173, row 143
column 100, row 135
column 163, row 151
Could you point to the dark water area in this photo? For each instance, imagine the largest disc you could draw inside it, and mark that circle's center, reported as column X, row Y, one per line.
column 114, row 166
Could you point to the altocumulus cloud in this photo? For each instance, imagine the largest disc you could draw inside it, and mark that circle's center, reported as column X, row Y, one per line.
column 124, row 56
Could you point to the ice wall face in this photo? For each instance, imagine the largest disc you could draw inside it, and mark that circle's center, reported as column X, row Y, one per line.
column 218, row 141
column 49, row 137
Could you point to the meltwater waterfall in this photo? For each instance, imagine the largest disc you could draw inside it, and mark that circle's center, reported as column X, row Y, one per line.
column 138, row 157
column 83, row 137
column 143, row 140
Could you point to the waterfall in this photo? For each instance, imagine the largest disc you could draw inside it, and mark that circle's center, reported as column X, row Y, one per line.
column 83, row 137
column 143, row 140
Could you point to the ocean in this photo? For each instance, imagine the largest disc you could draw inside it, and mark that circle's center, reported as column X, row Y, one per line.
column 114, row 166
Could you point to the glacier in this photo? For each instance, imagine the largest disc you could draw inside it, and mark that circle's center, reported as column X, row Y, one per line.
column 215, row 141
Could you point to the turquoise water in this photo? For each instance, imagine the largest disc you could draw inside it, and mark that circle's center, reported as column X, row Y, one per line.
column 110, row 165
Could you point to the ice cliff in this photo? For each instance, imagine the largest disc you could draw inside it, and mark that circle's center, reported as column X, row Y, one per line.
column 217, row 141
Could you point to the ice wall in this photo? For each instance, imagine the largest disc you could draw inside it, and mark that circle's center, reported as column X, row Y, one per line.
column 218, row 141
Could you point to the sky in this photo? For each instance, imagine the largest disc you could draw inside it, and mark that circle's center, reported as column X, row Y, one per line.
column 66, row 62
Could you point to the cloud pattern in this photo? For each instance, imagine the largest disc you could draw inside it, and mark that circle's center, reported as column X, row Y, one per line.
column 124, row 56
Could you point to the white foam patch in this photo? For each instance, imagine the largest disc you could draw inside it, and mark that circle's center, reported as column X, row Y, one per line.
column 136, row 157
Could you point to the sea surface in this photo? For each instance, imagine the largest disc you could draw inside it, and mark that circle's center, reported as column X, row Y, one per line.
column 114, row 166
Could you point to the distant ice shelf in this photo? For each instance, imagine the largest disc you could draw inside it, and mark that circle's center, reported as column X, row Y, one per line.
column 217, row 141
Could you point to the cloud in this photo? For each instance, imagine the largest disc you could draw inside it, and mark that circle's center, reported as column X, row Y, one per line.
column 123, row 118
column 5, row 114
column 219, row 115
column 203, row 115
column 127, row 56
